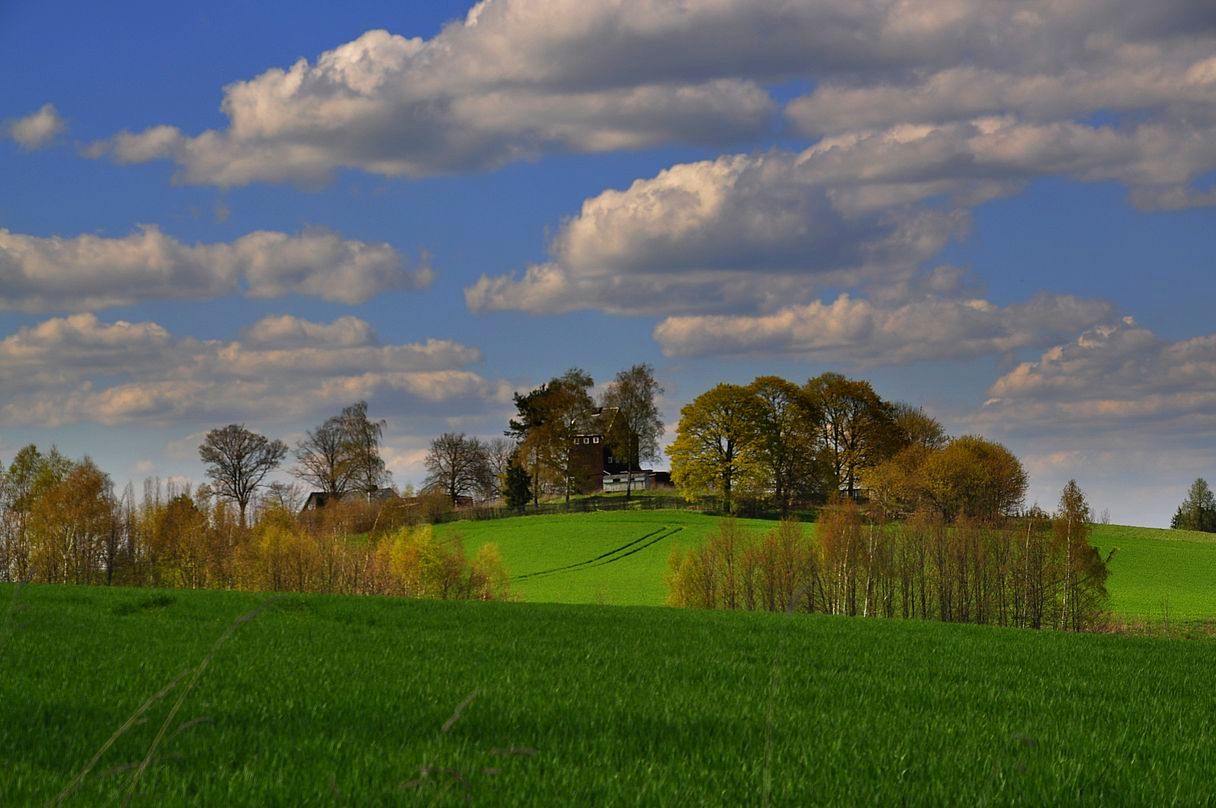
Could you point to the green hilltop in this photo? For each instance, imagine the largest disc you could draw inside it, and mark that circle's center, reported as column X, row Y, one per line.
column 621, row 558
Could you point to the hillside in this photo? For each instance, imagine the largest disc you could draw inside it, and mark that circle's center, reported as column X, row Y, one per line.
column 343, row 700
column 621, row 558
column 1160, row 574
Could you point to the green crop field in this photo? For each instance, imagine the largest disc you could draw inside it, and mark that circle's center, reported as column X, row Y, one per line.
column 621, row 558
column 1160, row 574
column 611, row 557
column 331, row 700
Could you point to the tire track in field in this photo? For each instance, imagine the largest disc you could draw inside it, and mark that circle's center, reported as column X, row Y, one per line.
column 616, row 554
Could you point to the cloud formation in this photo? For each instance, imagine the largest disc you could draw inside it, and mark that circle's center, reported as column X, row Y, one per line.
column 91, row 272
column 733, row 232
column 861, row 209
column 78, row 368
column 36, row 130
column 519, row 78
column 869, row 333
column 1113, row 380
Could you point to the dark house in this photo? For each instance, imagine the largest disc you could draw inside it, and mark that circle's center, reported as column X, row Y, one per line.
column 319, row 499
column 595, row 466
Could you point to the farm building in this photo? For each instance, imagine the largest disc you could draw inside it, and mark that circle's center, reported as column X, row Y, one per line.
column 598, row 469
column 319, row 499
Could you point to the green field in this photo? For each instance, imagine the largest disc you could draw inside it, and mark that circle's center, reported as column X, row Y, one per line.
column 1160, row 574
column 612, row 557
column 621, row 558
column 330, row 700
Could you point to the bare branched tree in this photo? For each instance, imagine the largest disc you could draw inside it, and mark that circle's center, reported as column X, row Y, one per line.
column 457, row 465
column 323, row 459
column 238, row 460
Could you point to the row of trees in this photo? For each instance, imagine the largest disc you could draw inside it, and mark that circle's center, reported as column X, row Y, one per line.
column 63, row 523
column 1034, row 572
column 339, row 457
column 777, row 442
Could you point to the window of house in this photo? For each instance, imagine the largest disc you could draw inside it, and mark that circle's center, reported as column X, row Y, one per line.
column 597, row 440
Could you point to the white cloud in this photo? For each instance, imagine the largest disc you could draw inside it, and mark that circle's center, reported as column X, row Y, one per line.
column 288, row 331
column 1116, row 382
column 735, row 231
column 91, row 272
column 78, row 368
column 927, row 328
column 38, row 129
column 767, row 230
column 1130, row 415
column 520, row 78
column 465, row 100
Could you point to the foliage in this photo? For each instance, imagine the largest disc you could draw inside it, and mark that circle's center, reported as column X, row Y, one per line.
column 1198, row 510
column 857, row 427
column 1030, row 574
column 967, row 476
column 637, row 425
column 71, row 525
column 518, row 486
column 716, row 448
column 788, row 443
column 361, row 448
column 549, row 418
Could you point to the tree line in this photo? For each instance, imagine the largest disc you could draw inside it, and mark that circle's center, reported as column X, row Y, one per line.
column 1034, row 571
column 61, row 521
column 783, row 445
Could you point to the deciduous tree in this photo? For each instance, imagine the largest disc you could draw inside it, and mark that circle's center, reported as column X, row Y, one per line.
column 857, row 427
column 636, row 427
column 361, row 438
column 323, row 459
column 238, row 461
column 551, row 417
column 716, row 447
column 787, row 440
column 458, row 465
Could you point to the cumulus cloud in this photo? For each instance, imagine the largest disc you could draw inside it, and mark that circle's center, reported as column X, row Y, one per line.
column 486, row 91
column 38, row 129
column 1118, row 406
column 738, row 230
column 1113, row 381
column 91, row 272
column 863, row 208
column 519, row 78
column 928, row 328
column 79, row 368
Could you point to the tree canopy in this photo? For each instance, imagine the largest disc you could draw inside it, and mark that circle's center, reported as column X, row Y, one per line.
column 1198, row 510
column 636, row 424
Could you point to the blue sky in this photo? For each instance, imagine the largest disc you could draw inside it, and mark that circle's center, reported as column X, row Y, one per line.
column 1006, row 220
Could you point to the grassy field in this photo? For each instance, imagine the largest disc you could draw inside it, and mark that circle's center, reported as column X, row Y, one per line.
column 621, row 558
column 1160, row 574
column 614, row 557
column 329, row 700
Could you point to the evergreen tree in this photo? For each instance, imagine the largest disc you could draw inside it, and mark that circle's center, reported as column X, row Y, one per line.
column 1198, row 510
